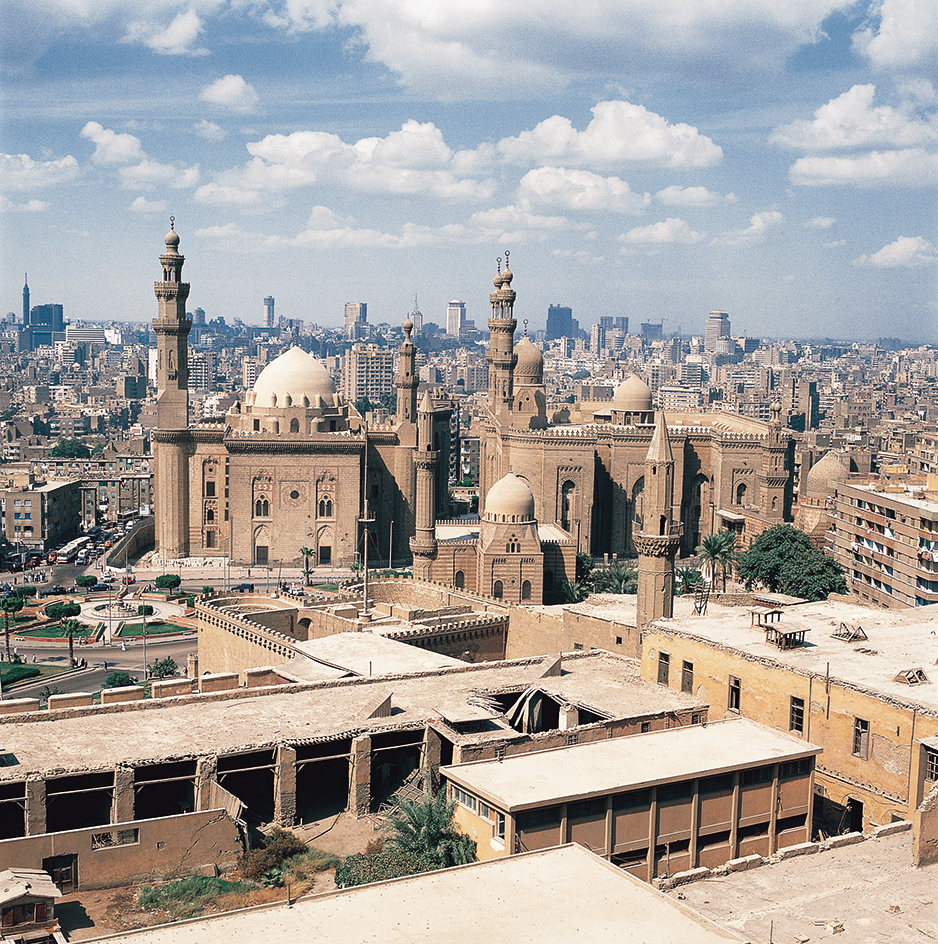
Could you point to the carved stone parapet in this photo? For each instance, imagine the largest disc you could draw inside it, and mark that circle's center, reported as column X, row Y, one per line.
column 174, row 437
column 423, row 547
column 657, row 545
column 171, row 289
column 426, row 460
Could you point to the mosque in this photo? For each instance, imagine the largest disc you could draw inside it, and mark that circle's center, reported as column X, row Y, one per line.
column 294, row 466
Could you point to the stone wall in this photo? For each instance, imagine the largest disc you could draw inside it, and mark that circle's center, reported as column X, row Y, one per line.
column 925, row 830
column 535, row 632
column 140, row 539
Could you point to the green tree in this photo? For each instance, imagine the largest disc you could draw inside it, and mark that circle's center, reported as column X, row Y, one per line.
column 687, row 578
column 717, row 553
column 584, row 565
column 426, row 828
column 9, row 605
column 144, row 609
column 59, row 611
column 119, row 679
column 26, row 592
column 574, row 591
column 69, row 449
column 70, row 626
column 168, row 581
column 164, row 668
column 85, row 580
column 784, row 559
column 308, row 554
column 615, row 577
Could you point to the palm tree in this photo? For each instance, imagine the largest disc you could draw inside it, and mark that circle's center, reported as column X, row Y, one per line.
column 9, row 605
column 616, row 577
column 308, row 553
column 574, row 591
column 717, row 553
column 70, row 625
column 426, row 829
column 688, row 578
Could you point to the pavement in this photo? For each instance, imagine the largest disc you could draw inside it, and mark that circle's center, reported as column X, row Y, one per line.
column 870, row 889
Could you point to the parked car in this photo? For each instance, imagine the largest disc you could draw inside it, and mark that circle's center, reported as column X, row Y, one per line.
column 244, row 588
column 128, row 579
column 59, row 589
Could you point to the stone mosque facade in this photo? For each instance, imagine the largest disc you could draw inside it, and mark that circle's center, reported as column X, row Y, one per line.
column 293, row 466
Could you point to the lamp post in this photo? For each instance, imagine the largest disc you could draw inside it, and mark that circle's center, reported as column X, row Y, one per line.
column 390, row 545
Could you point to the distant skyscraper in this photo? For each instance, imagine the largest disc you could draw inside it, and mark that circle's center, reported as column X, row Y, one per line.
column 560, row 323
column 25, row 301
column 617, row 323
column 651, row 331
column 455, row 317
column 269, row 311
column 718, row 326
column 198, row 316
column 597, row 339
column 355, row 313
column 44, row 322
column 416, row 319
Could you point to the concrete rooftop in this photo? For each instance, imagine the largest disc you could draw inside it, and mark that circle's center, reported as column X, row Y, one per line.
column 640, row 760
column 179, row 728
column 557, row 896
column 897, row 640
column 372, row 654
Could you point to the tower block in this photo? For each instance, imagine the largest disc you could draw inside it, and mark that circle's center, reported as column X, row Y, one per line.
column 660, row 536
column 423, row 543
column 171, row 438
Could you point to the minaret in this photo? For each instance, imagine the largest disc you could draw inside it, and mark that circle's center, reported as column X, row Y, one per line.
column 660, row 535
column 171, row 437
column 773, row 476
column 25, row 300
column 500, row 355
column 423, row 543
column 407, row 379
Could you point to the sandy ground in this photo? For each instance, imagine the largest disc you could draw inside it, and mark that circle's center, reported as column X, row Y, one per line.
column 91, row 914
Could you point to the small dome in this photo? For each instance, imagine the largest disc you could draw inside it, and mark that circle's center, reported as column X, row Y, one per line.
column 826, row 474
column 294, row 374
column 530, row 360
column 633, row 395
column 172, row 239
column 510, row 498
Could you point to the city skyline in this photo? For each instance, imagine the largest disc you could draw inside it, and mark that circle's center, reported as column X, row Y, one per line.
column 651, row 163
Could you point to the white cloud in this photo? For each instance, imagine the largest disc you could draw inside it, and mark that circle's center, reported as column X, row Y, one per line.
column 220, row 194
column 148, row 174
column 142, row 205
column 692, row 196
column 759, row 225
column 111, row 147
column 177, row 39
column 209, row 130
column 911, row 167
column 907, row 252
column 20, row 172
column 30, row 206
column 579, row 190
column 232, row 92
column 618, row 133
column 820, row 222
column 851, row 121
column 671, row 230
column 907, row 35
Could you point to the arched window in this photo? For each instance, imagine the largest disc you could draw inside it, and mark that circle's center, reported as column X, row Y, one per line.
column 498, row 591
column 325, row 507
column 261, row 507
column 526, row 590
column 741, row 493
column 567, row 501
column 294, row 425
column 774, row 504
column 210, row 515
column 460, row 580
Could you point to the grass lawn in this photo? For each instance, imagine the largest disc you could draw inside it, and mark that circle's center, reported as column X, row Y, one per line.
column 326, row 586
column 153, row 629
column 55, row 631
column 45, row 671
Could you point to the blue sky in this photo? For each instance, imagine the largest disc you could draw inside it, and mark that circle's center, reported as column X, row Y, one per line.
column 650, row 160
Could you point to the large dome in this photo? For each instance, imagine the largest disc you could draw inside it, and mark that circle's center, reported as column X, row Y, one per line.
column 825, row 475
column 530, row 364
column 510, row 499
column 633, row 395
column 295, row 374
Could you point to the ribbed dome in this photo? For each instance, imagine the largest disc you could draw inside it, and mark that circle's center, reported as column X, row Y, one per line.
column 824, row 475
column 295, row 374
column 530, row 360
column 510, row 498
column 633, row 395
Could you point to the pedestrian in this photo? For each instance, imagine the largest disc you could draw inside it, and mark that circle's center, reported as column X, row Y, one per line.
column 105, row 666
column 34, row 657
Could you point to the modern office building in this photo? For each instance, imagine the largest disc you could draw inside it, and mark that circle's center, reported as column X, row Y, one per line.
column 369, row 372
column 269, row 311
column 560, row 323
column 455, row 318
column 717, row 326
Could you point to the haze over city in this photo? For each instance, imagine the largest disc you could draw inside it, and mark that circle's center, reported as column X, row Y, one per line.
column 656, row 161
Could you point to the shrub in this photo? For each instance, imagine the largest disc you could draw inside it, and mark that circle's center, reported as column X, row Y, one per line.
column 360, row 869
column 168, row 581
column 27, row 591
column 145, row 609
column 187, row 897
column 85, row 580
column 164, row 668
column 58, row 611
column 278, row 846
column 117, row 680
column 16, row 672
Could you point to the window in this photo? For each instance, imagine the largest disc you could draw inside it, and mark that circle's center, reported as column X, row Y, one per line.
column 498, row 591
column 262, row 508
column 646, row 727
column 861, row 738
column 526, row 590
column 794, row 768
column 757, row 775
column 664, row 668
column 209, row 489
column 687, row 678
column 294, row 426
column 465, row 799
column 931, row 764
column 796, row 715
column 735, row 690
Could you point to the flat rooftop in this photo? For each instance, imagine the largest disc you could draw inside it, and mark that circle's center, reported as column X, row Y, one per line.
column 556, row 896
column 897, row 640
column 578, row 771
column 871, row 888
column 178, row 728
column 371, row 654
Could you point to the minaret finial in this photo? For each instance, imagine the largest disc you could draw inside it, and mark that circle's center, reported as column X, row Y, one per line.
column 507, row 254
column 525, row 327
column 172, row 223
column 499, row 260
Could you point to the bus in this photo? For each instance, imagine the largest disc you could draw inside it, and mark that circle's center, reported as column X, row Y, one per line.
column 70, row 551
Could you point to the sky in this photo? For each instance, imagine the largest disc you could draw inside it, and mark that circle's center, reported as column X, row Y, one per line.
column 655, row 160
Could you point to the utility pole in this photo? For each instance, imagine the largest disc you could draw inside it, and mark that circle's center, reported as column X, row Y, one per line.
column 366, row 520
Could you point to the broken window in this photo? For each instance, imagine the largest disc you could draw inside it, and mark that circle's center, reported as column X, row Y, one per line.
column 861, row 738
column 166, row 789
column 79, row 801
column 796, row 715
column 735, row 690
column 322, row 779
column 12, row 810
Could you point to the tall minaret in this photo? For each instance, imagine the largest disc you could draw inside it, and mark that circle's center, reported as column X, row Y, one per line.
column 171, row 437
column 423, row 543
column 407, row 379
column 500, row 355
column 25, row 300
column 660, row 535
column 774, row 480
